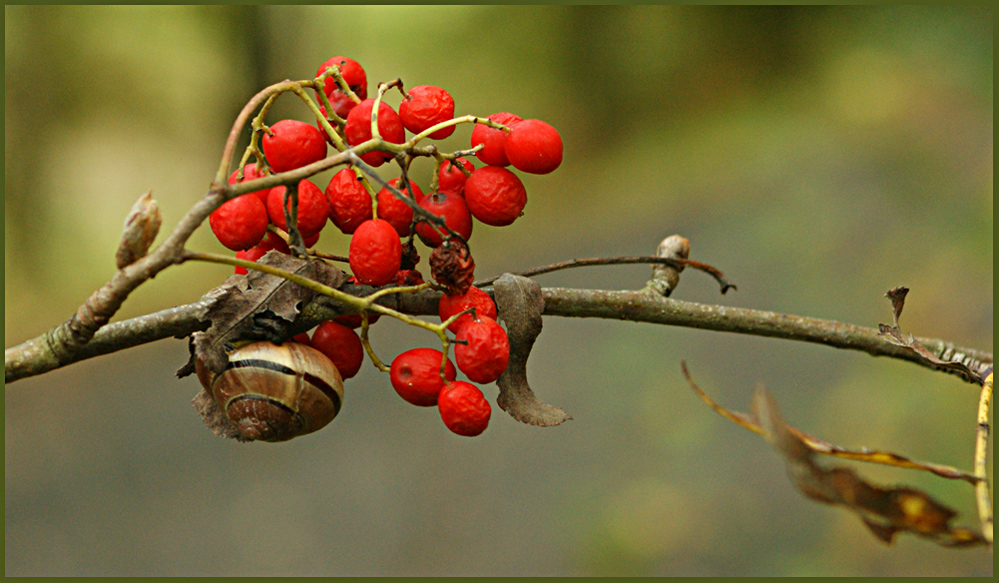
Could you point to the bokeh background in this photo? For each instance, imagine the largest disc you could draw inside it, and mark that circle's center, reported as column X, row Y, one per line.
column 818, row 156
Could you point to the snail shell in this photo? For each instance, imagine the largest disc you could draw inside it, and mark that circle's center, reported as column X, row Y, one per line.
column 271, row 392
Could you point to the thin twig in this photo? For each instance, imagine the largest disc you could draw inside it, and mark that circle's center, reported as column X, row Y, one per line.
column 673, row 261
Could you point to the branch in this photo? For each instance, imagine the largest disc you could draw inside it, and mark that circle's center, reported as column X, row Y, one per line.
column 34, row 358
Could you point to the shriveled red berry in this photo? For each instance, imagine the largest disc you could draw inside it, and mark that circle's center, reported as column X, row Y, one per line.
column 394, row 210
column 293, row 144
column 240, row 223
column 341, row 345
column 464, row 409
column 495, row 195
column 250, row 173
column 450, row 305
column 350, row 203
column 452, row 266
column 375, row 252
column 456, row 216
column 450, row 178
column 353, row 321
column 406, row 277
column 426, row 106
column 416, row 375
column 313, row 210
column 482, row 349
column 493, row 153
column 534, row 146
column 356, row 79
column 358, row 129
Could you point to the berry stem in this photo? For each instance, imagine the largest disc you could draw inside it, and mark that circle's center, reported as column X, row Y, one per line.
column 673, row 261
column 333, row 134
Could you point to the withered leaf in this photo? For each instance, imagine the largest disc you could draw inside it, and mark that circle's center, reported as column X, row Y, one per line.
column 257, row 306
column 894, row 335
column 519, row 304
column 885, row 511
column 820, row 446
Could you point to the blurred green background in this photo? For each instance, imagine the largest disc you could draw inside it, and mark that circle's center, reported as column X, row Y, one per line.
column 818, row 156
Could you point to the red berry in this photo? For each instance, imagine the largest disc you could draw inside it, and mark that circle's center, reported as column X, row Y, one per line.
column 293, row 144
column 407, row 277
column 302, row 338
column 356, row 79
column 456, row 216
column 450, row 178
column 341, row 345
column 240, row 223
column 495, row 195
column 350, row 203
column 485, row 352
column 474, row 298
column 493, row 153
column 313, row 210
column 416, row 375
column 274, row 242
column 426, row 106
column 464, row 409
column 250, row 173
column 534, row 146
column 394, row 210
column 353, row 321
column 251, row 254
column 358, row 129
column 375, row 252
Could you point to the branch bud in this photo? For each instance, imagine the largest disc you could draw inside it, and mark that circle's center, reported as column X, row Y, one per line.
column 665, row 278
column 141, row 227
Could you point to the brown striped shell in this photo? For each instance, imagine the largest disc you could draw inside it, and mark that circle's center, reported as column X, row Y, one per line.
column 271, row 392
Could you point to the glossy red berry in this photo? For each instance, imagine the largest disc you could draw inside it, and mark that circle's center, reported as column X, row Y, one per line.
column 356, row 79
column 350, row 203
column 375, row 252
column 341, row 345
column 358, row 129
column 482, row 349
column 463, row 408
column 450, row 178
column 416, row 375
column 240, row 223
column 456, row 216
column 474, row 298
column 534, row 146
column 396, row 211
column 493, row 153
column 313, row 210
column 250, row 173
column 495, row 195
column 292, row 144
column 426, row 106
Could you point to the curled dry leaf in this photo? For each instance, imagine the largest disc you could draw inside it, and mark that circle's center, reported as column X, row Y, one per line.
column 894, row 335
column 141, row 227
column 885, row 511
column 820, row 446
column 665, row 278
column 256, row 306
column 519, row 304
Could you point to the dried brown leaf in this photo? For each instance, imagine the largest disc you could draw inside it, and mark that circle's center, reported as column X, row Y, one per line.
column 256, row 306
column 520, row 304
column 885, row 511
column 820, row 446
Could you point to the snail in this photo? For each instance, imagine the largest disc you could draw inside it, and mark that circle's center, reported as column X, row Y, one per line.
column 271, row 392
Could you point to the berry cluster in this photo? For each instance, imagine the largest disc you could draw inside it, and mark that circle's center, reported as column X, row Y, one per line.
column 382, row 224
